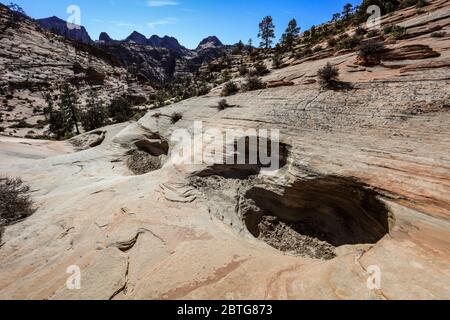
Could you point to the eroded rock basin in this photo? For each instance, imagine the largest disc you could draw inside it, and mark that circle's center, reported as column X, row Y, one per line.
column 307, row 218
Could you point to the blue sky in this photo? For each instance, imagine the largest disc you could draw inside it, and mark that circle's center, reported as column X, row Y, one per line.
column 188, row 20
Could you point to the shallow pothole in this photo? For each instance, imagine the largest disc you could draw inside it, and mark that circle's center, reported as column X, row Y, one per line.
column 140, row 162
column 292, row 238
column 148, row 156
column 249, row 156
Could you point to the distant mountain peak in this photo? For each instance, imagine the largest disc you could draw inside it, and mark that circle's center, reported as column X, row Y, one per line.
column 167, row 42
column 61, row 27
column 135, row 33
column 211, row 41
column 137, row 38
column 104, row 37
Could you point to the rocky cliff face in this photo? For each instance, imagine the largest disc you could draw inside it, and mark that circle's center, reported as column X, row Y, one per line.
column 167, row 42
column 35, row 62
column 156, row 64
column 70, row 31
column 163, row 59
column 159, row 59
column 363, row 186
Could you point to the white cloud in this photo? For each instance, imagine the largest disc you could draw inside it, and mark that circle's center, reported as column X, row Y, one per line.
column 122, row 24
column 162, row 22
column 162, row 3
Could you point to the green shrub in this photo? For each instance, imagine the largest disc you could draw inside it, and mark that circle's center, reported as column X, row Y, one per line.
column 120, row 110
column 175, row 117
column 421, row 3
column 397, row 32
column 328, row 76
column 332, row 42
column 348, row 43
column 56, row 122
column 259, row 69
column 253, row 83
column 277, row 61
column 21, row 124
column 95, row 115
column 438, row 34
column 372, row 33
column 371, row 47
column 15, row 202
column 317, row 49
column 159, row 98
column 222, row 105
column 305, row 52
column 229, row 89
column 225, row 76
column 202, row 89
column 387, row 29
column 360, row 31
column 243, row 71
column 410, row 3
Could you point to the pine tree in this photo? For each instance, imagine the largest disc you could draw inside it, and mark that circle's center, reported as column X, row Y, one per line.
column 50, row 104
column 56, row 123
column 292, row 32
column 95, row 115
column 69, row 108
column 120, row 110
column 277, row 60
column 348, row 9
column 336, row 17
column 239, row 47
column 266, row 32
column 15, row 7
column 250, row 45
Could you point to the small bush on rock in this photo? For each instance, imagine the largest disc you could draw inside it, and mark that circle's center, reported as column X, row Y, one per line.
column 175, row 117
column 253, row 83
column 223, row 104
column 259, row 70
column 229, row 89
column 332, row 42
column 277, row 61
column 348, row 43
column 396, row 32
column 15, row 202
column 372, row 33
column 370, row 48
column 438, row 34
column 243, row 71
column 328, row 76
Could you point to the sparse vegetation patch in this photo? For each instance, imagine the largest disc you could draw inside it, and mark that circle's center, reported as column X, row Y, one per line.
column 15, row 202
column 328, row 76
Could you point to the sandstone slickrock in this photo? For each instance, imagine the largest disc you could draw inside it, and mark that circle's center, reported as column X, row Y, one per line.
column 374, row 159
